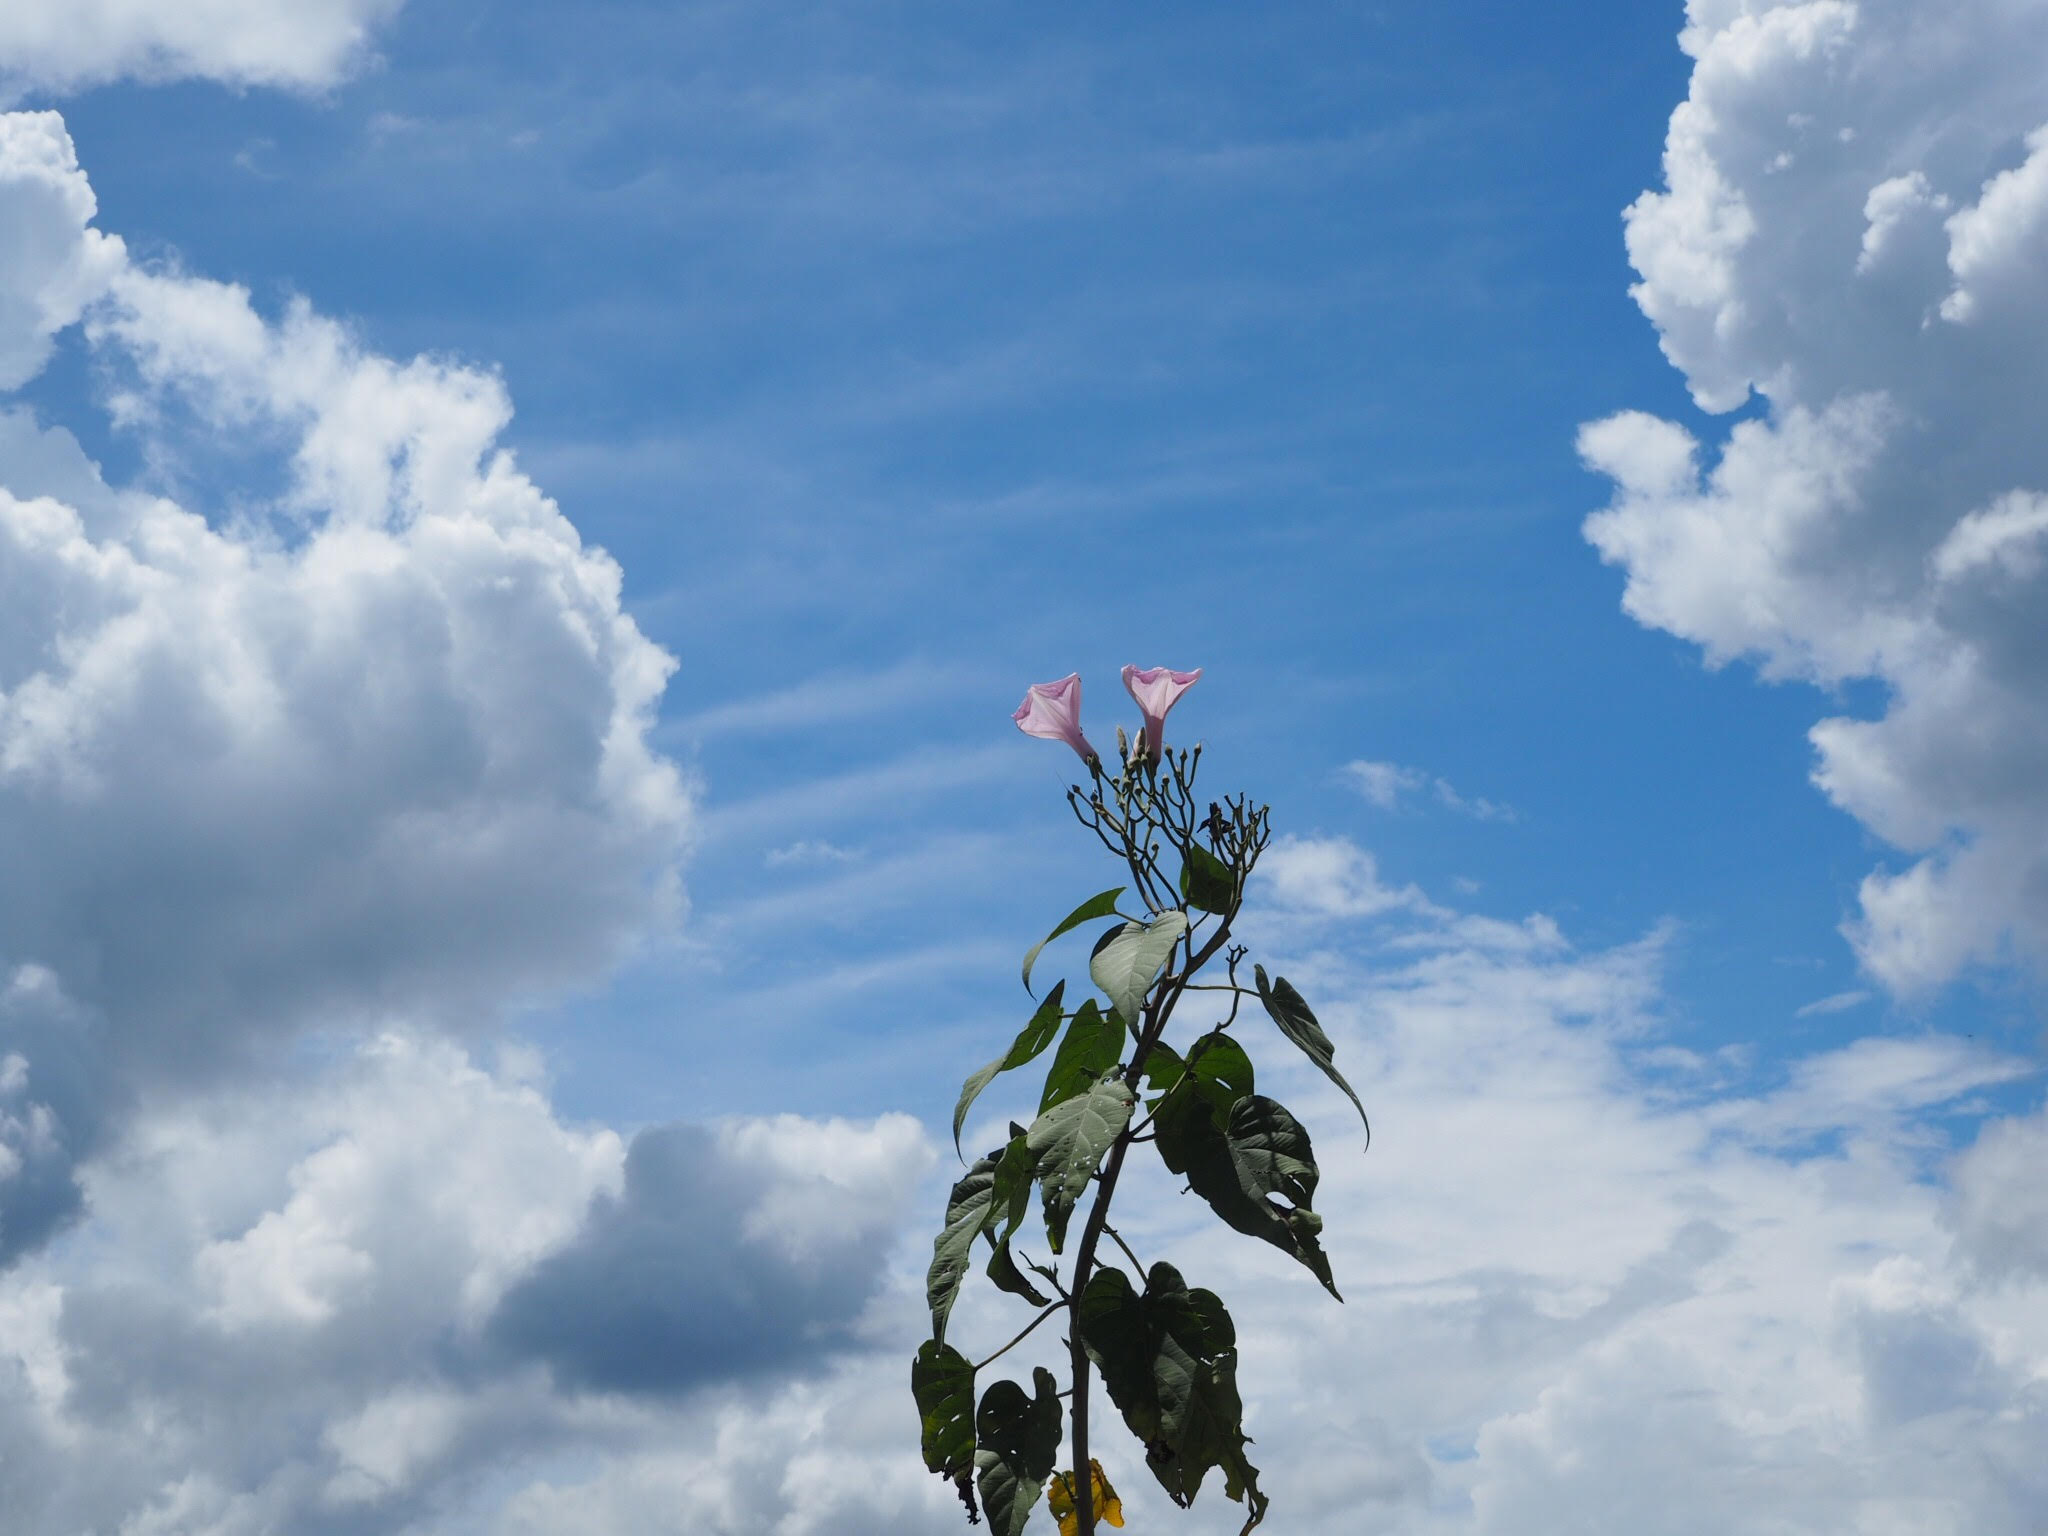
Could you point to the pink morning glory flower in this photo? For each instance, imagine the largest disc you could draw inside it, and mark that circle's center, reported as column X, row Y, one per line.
column 1155, row 689
column 1053, row 710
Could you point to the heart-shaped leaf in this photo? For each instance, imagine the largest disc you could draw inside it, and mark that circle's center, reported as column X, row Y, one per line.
column 1067, row 1143
column 1128, row 958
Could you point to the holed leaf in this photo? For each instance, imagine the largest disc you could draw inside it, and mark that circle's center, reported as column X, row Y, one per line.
column 942, row 1380
column 1101, row 905
column 1169, row 1362
column 1017, row 1441
column 1093, row 1044
column 1297, row 1023
column 1034, row 1037
column 1207, row 881
column 1128, row 958
column 1067, row 1143
column 1235, row 1180
column 1059, row 1498
column 1272, row 1151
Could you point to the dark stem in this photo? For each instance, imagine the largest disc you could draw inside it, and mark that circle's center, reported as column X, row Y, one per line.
column 1028, row 1328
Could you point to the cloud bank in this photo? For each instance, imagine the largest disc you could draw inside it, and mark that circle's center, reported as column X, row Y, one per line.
column 363, row 736
column 1854, row 224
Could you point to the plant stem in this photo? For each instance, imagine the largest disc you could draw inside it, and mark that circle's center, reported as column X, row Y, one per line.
column 1029, row 1327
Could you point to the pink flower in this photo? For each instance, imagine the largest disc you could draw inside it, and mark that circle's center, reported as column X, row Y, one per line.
column 1156, row 689
column 1053, row 710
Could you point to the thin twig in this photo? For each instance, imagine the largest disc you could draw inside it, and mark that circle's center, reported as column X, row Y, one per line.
column 1048, row 1312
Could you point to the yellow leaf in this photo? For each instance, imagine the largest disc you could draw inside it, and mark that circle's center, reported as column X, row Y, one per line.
column 1109, row 1509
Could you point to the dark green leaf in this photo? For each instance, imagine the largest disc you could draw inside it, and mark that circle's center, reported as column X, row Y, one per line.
column 1163, row 1067
column 1216, row 1076
column 1206, row 880
column 1272, row 1151
column 1117, row 1333
column 1103, row 905
column 1017, row 1441
column 1035, row 1037
column 1003, row 1270
column 1067, row 1143
column 967, row 1214
column 1093, row 1044
column 1128, row 958
column 942, row 1380
column 1287, row 1010
column 1221, row 1072
column 1235, row 1181
column 1169, row 1363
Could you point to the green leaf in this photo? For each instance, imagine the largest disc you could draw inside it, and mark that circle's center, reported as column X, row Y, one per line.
column 1067, row 1143
column 997, row 1188
column 1236, row 1180
column 1011, row 1195
column 942, row 1381
column 1035, row 1037
column 1116, row 1331
column 967, row 1214
column 1218, row 1073
column 1017, row 1441
column 1287, row 1010
column 1169, row 1363
column 1163, row 1067
column 1221, row 1072
column 1128, row 958
column 1272, row 1152
column 1003, row 1270
column 1206, row 881
column 1094, row 1043
column 1103, row 905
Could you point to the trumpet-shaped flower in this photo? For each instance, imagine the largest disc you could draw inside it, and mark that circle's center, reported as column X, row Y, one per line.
column 1155, row 689
column 1053, row 710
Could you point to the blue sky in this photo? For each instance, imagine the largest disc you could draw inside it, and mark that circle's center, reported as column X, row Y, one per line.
column 888, row 360
column 965, row 349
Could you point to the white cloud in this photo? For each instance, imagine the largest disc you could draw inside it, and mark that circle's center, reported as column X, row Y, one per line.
column 1855, row 222
column 1331, row 878
column 298, row 44
column 1587, row 1290
column 373, row 744
column 1384, row 784
column 1834, row 1002
column 286, row 1309
column 52, row 262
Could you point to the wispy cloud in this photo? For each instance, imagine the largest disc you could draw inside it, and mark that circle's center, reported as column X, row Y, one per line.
column 1839, row 1002
column 1386, row 785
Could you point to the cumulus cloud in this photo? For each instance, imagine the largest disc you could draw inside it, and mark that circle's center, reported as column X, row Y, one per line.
column 1593, row 1285
column 728, row 1253
column 298, row 44
column 293, row 1310
column 360, row 732
column 1854, row 222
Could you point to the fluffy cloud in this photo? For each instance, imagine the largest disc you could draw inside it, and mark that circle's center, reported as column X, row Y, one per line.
column 300, row 44
column 727, row 1254
column 362, row 732
column 291, row 1310
column 1595, row 1282
column 1855, row 223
